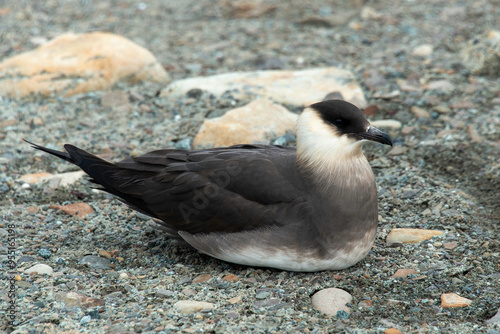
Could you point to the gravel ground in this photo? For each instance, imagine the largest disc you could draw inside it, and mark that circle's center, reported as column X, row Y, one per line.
column 443, row 177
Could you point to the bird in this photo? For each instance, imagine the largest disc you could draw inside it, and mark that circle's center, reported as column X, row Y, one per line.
column 307, row 208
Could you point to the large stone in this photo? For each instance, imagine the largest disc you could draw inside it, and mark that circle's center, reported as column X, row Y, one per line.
column 300, row 88
column 259, row 121
column 40, row 269
column 410, row 235
column 482, row 54
column 77, row 63
column 449, row 300
column 331, row 301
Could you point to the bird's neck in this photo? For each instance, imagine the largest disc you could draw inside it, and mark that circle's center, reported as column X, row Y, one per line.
column 325, row 156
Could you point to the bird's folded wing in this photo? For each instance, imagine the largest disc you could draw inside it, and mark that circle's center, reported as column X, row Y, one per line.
column 241, row 188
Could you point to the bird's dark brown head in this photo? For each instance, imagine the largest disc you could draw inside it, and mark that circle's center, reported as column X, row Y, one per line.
column 347, row 119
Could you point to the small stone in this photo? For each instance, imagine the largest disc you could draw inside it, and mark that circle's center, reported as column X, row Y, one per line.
column 18, row 277
column 85, row 319
column 255, row 122
column 73, row 298
column 369, row 13
column 163, row 293
column 45, row 253
column 231, row 278
column 330, row 301
column 188, row 292
column 189, row 306
column 124, row 276
column 423, row 51
column 403, row 273
column 115, row 99
column 450, row 245
column 473, row 134
column 105, row 254
column 263, row 295
column 420, row 113
column 80, row 210
column 33, row 209
column 367, row 303
column 184, row 144
column 232, row 315
column 442, row 85
column 40, row 269
column 406, row 130
column 392, row 330
column 442, row 109
column 95, row 262
column 409, row 194
column 387, row 124
column 235, row 300
column 449, row 300
column 410, row 235
column 202, row 278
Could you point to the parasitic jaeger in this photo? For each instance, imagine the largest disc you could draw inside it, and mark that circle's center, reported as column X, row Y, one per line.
column 309, row 208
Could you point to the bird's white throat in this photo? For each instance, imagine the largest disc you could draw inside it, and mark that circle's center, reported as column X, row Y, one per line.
column 324, row 151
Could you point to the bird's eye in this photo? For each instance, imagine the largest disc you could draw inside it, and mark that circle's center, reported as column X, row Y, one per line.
column 338, row 122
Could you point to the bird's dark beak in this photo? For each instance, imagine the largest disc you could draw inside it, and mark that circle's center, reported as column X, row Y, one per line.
column 374, row 134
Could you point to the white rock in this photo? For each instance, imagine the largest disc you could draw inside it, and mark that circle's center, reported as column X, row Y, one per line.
column 300, row 88
column 40, row 269
column 330, row 301
column 387, row 124
column 482, row 54
column 424, row 50
column 191, row 306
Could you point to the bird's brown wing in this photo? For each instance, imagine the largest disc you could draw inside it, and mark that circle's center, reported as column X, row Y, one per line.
column 231, row 189
column 234, row 189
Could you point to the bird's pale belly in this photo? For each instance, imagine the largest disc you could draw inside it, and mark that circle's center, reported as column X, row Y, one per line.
column 262, row 254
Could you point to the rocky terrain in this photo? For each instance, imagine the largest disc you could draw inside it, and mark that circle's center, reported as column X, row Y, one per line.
column 84, row 262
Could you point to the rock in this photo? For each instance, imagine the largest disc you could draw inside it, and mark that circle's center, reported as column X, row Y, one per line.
column 398, row 150
column 300, row 88
column 331, row 301
column 202, row 278
column 190, row 306
column 473, row 134
column 40, row 269
column 115, row 99
column 369, row 13
column 410, row 235
column 263, row 295
column 442, row 85
column 34, row 178
column 123, row 276
column 235, row 300
column 367, row 303
column 231, row 278
column 80, row 210
column 56, row 180
column 423, row 51
column 258, row 121
column 450, row 245
column 78, row 63
column 406, row 130
column 420, row 113
column 403, row 273
column 45, row 253
column 392, row 330
column 449, row 300
column 495, row 319
column 73, row 298
column 409, row 194
column 246, row 8
column 95, row 262
column 163, row 293
column 482, row 54
column 387, row 124
column 105, row 254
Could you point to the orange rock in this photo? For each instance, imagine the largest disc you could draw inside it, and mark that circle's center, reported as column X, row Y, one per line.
column 403, row 273
column 231, row 278
column 392, row 330
column 202, row 278
column 78, row 63
column 258, row 121
column 80, row 210
column 410, row 235
column 449, row 300
column 35, row 178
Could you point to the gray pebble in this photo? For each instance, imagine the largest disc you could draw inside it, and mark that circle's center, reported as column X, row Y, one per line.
column 95, row 262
